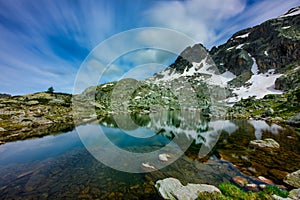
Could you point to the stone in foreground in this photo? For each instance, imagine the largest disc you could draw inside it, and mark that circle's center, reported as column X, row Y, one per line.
column 294, row 194
column 171, row 188
column 267, row 143
column 293, row 179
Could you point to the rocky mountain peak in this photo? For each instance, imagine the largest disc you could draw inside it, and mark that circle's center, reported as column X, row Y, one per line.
column 292, row 12
column 249, row 63
column 195, row 53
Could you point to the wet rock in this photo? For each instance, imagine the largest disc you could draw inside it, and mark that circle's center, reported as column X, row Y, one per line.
column 262, row 186
column 295, row 194
column 265, row 144
column 148, row 190
column 293, row 179
column 171, row 188
column 112, row 195
column 2, row 129
column 135, row 187
column 277, row 173
column 252, row 187
column 164, row 157
column 241, row 181
column 265, row 180
column 34, row 182
column 148, row 166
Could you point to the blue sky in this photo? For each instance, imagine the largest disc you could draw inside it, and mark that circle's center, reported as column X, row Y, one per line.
column 44, row 42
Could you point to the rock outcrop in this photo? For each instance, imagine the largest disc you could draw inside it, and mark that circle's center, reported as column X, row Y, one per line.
column 34, row 115
column 171, row 188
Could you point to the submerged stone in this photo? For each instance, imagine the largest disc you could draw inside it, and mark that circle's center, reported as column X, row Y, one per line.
column 164, row 157
column 266, row 143
column 148, row 166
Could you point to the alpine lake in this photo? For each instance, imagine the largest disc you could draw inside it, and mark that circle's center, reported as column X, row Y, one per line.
column 115, row 156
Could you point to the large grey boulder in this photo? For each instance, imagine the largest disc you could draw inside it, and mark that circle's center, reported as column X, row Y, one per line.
column 171, row 188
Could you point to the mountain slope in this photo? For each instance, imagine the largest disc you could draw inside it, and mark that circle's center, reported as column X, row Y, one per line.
column 253, row 62
column 257, row 62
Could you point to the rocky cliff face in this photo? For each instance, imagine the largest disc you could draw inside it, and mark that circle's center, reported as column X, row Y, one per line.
column 254, row 62
column 274, row 45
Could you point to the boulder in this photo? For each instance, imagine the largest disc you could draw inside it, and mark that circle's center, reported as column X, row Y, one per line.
column 241, row 181
column 147, row 166
column 266, row 143
column 276, row 197
column 171, row 188
column 164, row 157
column 293, row 179
column 294, row 120
column 252, row 187
column 268, row 112
column 295, row 194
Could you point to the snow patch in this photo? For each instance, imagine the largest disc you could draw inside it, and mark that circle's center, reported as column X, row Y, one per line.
column 254, row 68
column 137, row 97
column 215, row 79
column 266, row 53
column 240, row 46
column 292, row 12
column 230, row 48
column 286, row 27
column 203, row 71
column 261, row 85
column 243, row 36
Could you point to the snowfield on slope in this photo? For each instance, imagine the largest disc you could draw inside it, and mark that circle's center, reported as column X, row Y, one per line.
column 259, row 85
column 203, row 72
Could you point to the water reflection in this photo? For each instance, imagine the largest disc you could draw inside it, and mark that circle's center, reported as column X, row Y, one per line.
column 171, row 132
column 261, row 126
column 60, row 167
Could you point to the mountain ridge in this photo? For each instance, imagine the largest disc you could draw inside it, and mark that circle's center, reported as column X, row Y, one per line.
column 267, row 52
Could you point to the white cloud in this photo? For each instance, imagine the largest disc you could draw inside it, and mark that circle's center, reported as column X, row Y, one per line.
column 198, row 19
column 144, row 71
column 213, row 22
column 264, row 10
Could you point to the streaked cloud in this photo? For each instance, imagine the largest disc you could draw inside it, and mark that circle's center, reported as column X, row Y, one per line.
column 198, row 19
column 43, row 43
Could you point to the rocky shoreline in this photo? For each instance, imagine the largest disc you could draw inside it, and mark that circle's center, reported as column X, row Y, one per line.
column 40, row 114
column 34, row 115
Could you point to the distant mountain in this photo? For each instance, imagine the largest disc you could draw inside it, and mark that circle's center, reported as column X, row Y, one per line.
column 257, row 68
column 4, row 95
column 254, row 62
